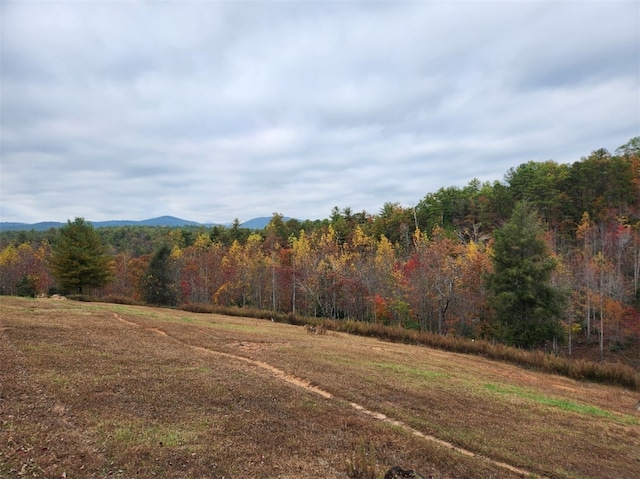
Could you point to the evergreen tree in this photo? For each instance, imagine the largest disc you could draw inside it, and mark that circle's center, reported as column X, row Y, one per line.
column 527, row 307
column 80, row 259
column 27, row 286
column 159, row 280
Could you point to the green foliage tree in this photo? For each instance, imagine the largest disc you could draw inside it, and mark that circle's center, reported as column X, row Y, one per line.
column 27, row 286
column 631, row 148
column 541, row 184
column 527, row 307
column 600, row 183
column 80, row 259
column 159, row 280
column 396, row 224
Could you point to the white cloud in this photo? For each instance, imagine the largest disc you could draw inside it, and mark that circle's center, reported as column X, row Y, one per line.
column 217, row 110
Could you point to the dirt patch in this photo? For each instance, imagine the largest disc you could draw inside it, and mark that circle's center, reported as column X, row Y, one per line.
column 157, row 331
column 258, row 346
column 131, row 323
column 121, row 319
column 279, row 373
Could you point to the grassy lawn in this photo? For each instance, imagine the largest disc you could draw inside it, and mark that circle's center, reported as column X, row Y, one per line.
column 90, row 390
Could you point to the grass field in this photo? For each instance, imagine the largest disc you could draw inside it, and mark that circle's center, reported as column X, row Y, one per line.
column 92, row 390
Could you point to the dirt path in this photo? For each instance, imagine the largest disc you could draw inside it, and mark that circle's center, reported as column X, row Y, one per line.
column 299, row 382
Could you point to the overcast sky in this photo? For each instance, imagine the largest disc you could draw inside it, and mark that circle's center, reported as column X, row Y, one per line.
column 211, row 111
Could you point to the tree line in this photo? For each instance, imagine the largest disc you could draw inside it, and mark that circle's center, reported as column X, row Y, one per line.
column 549, row 256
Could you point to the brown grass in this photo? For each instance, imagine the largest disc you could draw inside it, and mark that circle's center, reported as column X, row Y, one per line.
column 615, row 373
column 92, row 390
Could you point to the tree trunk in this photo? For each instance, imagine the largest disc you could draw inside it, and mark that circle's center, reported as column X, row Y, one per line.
column 273, row 286
column 293, row 296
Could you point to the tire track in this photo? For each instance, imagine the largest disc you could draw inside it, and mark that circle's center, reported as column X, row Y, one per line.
column 302, row 383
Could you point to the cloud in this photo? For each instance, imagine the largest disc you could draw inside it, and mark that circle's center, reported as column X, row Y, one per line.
column 217, row 110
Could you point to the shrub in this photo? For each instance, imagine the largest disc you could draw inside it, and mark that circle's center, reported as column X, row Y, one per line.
column 362, row 464
column 81, row 297
column 197, row 307
column 116, row 299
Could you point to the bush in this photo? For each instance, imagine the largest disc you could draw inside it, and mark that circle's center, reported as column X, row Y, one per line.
column 81, row 297
column 116, row 299
column 197, row 308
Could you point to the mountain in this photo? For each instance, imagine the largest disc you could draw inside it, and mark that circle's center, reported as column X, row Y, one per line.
column 170, row 221
column 256, row 223
column 160, row 221
column 6, row 226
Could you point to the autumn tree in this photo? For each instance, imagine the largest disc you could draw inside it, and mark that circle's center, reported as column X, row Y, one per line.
column 23, row 270
column 200, row 270
column 527, row 307
column 301, row 271
column 418, row 282
column 80, row 259
column 444, row 268
column 327, row 274
column 471, row 309
column 271, row 253
column 390, row 305
column 243, row 269
column 362, row 274
column 129, row 273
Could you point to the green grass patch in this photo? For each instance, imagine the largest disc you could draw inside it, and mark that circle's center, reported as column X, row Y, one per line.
column 563, row 404
column 133, row 434
column 413, row 371
column 234, row 327
column 60, row 381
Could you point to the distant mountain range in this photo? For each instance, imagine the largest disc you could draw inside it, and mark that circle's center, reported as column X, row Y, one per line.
column 171, row 221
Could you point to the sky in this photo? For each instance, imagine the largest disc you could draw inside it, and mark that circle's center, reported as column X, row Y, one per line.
column 216, row 110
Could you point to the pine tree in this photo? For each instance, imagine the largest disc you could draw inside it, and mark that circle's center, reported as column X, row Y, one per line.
column 80, row 259
column 527, row 307
column 159, row 280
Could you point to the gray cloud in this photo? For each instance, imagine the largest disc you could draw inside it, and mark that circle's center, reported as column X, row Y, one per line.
column 217, row 110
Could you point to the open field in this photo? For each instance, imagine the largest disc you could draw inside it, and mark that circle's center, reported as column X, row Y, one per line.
column 92, row 390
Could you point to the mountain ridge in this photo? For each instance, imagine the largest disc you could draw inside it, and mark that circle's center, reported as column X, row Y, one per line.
column 166, row 220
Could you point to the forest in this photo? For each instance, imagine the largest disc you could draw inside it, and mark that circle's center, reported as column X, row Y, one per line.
column 446, row 265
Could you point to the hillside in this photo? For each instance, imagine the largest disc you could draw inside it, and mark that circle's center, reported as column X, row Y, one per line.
column 102, row 390
column 430, row 267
